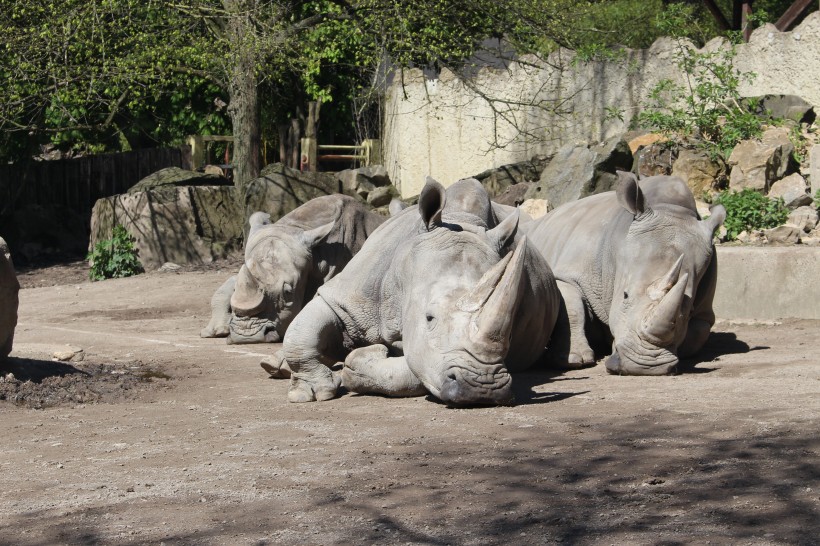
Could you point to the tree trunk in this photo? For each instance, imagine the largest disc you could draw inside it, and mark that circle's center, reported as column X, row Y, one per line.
column 244, row 96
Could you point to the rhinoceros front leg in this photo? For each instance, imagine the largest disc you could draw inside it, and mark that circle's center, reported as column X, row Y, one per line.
column 569, row 347
column 368, row 370
column 220, row 311
column 276, row 366
column 313, row 344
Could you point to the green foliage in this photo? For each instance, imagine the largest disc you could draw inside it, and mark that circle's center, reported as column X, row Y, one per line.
column 749, row 210
column 115, row 257
column 708, row 105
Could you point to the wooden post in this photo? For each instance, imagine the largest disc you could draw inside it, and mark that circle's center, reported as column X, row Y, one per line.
column 197, row 151
column 372, row 152
column 283, row 143
column 310, row 152
column 295, row 136
column 746, row 23
column 795, row 10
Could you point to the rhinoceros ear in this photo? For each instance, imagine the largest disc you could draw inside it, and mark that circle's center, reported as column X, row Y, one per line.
column 431, row 203
column 314, row 236
column 629, row 194
column 503, row 234
column 717, row 215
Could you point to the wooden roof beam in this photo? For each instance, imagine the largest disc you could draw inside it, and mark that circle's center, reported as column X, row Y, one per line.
column 795, row 10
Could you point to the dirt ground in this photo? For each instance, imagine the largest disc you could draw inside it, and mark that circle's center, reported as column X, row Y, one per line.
column 160, row 437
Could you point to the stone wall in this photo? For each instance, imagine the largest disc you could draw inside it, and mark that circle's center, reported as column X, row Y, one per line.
column 443, row 128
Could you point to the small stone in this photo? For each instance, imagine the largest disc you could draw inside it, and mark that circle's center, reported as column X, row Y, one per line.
column 70, row 353
column 536, row 208
column 169, row 267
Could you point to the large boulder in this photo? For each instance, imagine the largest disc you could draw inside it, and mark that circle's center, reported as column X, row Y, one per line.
column 699, row 172
column 363, row 178
column 513, row 195
column 280, row 189
column 804, row 218
column 9, row 287
column 757, row 164
column 175, row 177
column 783, row 107
column 497, row 181
column 577, row 171
column 184, row 225
column 656, row 158
column 793, row 190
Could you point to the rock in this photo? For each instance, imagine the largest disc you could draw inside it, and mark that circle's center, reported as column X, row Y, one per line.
column 704, row 209
column 497, row 181
column 513, row 195
column 381, row 196
column 655, row 159
column 756, row 164
column 700, row 173
column 9, row 289
column 280, row 189
column 69, row 353
column 804, row 218
column 169, row 267
column 213, row 170
column 646, row 140
column 536, row 208
column 789, row 107
column 785, row 234
column 184, row 225
column 364, row 188
column 351, row 179
column 814, row 169
column 174, row 177
column 792, row 190
column 578, row 171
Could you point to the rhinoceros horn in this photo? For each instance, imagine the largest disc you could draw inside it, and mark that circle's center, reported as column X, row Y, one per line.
column 494, row 301
column 248, row 297
column 659, row 325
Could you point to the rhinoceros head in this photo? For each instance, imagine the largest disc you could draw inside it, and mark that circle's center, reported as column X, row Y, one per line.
column 463, row 286
column 658, row 267
column 270, row 286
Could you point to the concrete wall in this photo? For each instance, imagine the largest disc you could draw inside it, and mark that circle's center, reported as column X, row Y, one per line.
column 443, row 128
column 768, row 283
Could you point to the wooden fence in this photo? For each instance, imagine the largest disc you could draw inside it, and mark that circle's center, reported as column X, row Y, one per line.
column 78, row 183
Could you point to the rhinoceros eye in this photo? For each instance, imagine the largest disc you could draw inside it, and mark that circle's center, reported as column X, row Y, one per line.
column 431, row 320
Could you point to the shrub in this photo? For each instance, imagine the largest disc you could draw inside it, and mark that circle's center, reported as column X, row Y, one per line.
column 708, row 104
column 115, row 257
column 749, row 210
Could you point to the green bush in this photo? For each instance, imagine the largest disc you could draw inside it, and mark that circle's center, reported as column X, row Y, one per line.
column 749, row 210
column 115, row 257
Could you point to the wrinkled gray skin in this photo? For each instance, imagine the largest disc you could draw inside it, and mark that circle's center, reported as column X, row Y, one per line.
column 285, row 263
column 442, row 298
column 638, row 261
column 9, row 289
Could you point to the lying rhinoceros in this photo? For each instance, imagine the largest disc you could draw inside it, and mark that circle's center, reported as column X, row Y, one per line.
column 638, row 261
column 441, row 298
column 285, row 262
column 9, row 288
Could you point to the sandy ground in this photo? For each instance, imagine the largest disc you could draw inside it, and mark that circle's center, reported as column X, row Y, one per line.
column 160, row 437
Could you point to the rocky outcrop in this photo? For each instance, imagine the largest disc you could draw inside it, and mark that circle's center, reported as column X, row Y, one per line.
column 184, row 225
column 497, row 181
column 793, row 190
column 656, row 158
column 699, row 172
column 9, row 288
column 577, row 171
column 175, row 177
column 757, row 164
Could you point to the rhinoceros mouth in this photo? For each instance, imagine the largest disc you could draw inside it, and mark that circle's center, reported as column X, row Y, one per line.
column 646, row 360
column 464, row 386
column 253, row 330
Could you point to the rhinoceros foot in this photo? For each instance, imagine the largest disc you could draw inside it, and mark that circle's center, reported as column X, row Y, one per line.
column 313, row 388
column 369, row 370
column 219, row 330
column 276, row 366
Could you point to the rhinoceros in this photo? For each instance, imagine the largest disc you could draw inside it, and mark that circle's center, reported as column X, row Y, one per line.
column 442, row 298
column 639, row 262
column 285, row 262
column 9, row 288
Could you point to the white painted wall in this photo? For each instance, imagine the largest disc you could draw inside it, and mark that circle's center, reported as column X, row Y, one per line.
column 443, row 129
